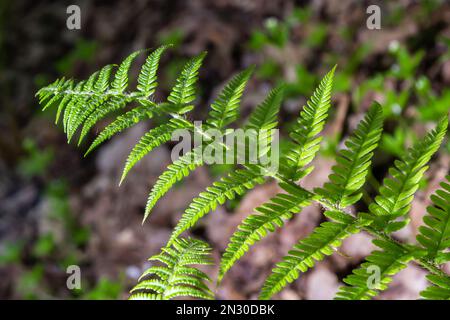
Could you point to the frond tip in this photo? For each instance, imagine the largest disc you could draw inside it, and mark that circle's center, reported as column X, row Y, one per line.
column 398, row 191
column 353, row 162
column 305, row 132
column 176, row 277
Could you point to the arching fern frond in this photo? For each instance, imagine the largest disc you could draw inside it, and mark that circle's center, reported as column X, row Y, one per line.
column 305, row 131
column 397, row 192
column 315, row 247
column 376, row 273
column 269, row 216
column 176, row 277
column 435, row 235
column 440, row 290
column 225, row 108
column 152, row 139
column 227, row 187
column 349, row 174
column 84, row 103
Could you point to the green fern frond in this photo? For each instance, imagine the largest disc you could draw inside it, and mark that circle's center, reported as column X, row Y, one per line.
column 152, row 139
column 175, row 172
column 322, row 242
column 111, row 105
column 440, row 290
column 270, row 215
column 94, row 99
column 123, row 122
column 376, row 273
column 397, row 192
column 264, row 117
column 120, row 81
column 235, row 183
column 117, row 101
column 435, row 234
column 176, row 277
column 353, row 163
column 184, row 90
column 224, row 109
column 147, row 80
column 88, row 101
column 305, row 131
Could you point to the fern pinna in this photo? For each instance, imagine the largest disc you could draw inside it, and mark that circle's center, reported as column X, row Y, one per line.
column 82, row 104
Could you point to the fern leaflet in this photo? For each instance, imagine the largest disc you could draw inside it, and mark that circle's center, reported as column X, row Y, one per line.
column 435, row 235
column 386, row 263
column 315, row 247
column 270, row 215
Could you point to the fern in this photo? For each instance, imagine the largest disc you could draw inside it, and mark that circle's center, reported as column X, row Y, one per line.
column 225, row 109
column 322, row 242
column 82, row 104
column 386, row 263
column 176, row 278
column 305, row 132
column 435, row 235
column 353, row 163
column 347, row 178
column 397, row 192
column 227, row 188
column 263, row 118
column 151, row 140
column 440, row 290
column 256, row 226
column 184, row 90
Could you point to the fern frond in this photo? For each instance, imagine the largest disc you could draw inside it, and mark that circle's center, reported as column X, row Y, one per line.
column 152, row 139
column 353, row 163
column 305, row 131
column 176, row 277
column 322, row 242
column 435, row 234
column 123, row 122
column 264, row 117
column 96, row 98
column 176, row 171
column 147, row 80
column 235, row 183
column 108, row 104
column 112, row 104
column 270, row 215
column 396, row 194
column 184, row 90
column 224, row 109
column 440, row 290
column 376, row 273
column 120, row 81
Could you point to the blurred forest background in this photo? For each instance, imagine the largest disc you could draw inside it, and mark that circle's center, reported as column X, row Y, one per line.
column 58, row 208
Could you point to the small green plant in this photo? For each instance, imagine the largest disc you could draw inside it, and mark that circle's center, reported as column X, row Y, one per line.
column 82, row 104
